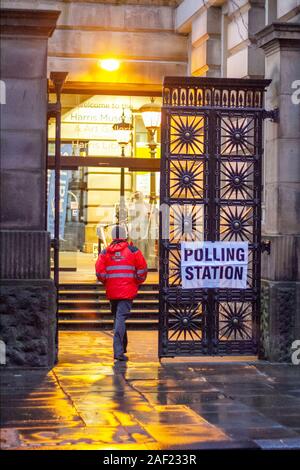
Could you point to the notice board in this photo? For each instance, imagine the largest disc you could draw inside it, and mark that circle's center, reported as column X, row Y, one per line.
column 218, row 265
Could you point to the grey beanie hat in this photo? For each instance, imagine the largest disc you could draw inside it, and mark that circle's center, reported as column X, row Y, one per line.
column 119, row 232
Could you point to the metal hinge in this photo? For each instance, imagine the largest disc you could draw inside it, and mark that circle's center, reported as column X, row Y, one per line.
column 58, row 79
column 272, row 114
column 266, row 246
column 53, row 109
column 54, row 243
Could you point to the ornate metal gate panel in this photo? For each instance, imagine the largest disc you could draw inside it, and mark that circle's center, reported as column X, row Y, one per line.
column 210, row 190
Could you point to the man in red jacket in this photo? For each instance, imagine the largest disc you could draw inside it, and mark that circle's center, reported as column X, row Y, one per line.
column 121, row 267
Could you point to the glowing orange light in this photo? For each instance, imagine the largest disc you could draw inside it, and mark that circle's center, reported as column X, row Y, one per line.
column 110, row 65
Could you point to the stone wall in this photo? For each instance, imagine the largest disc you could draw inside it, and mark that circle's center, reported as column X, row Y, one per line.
column 222, row 41
column 280, row 324
column 28, row 322
column 141, row 35
column 281, row 269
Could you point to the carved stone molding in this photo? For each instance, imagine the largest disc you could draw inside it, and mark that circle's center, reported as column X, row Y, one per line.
column 23, row 22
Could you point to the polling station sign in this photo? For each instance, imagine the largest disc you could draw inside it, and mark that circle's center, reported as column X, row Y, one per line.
column 218, row 265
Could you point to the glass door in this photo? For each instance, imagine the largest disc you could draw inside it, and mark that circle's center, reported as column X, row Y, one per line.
column 91, row 181
column 90, row 206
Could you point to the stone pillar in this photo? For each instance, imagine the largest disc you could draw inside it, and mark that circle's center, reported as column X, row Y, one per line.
column 244, row 60
column 281, row 269
column 205, row 56
column 28, row 297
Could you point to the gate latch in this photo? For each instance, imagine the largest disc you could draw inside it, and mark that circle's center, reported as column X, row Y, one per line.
column 266, row 246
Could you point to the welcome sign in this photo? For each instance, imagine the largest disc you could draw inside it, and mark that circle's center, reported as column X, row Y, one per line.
column 219, row 265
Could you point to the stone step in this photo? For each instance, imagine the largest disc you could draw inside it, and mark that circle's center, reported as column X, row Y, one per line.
column 101, row 290
column 85, row 313
column 106, row 323
column 95, row 286
column 82, row 294
column 84, row 306
column 79, row 303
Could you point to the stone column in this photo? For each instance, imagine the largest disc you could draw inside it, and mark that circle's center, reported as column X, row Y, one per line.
column 244, row 60
column 281, row 269
column 205, row 54
column 28, row 296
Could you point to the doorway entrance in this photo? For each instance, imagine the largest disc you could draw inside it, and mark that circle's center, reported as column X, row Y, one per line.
column 96, row 182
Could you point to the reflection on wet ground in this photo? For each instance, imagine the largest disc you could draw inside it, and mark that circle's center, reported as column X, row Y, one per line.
column 88, row 402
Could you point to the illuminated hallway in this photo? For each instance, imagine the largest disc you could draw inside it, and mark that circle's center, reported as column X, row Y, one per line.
column 87, row 402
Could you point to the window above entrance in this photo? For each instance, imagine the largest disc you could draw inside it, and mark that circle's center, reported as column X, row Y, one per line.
column 87, row 124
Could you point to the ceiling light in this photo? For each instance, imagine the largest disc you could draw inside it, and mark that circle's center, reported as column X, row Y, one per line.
column 110, row 65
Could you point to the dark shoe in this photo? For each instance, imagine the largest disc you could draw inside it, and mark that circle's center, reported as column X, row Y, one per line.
column 121, row 358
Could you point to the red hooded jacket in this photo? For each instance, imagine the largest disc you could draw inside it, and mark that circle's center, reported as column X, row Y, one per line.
column 121, row 267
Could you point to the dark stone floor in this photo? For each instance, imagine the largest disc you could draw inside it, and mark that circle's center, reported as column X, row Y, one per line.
column 88, row 402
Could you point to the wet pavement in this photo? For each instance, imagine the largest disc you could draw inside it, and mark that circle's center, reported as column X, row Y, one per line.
column 88, row 402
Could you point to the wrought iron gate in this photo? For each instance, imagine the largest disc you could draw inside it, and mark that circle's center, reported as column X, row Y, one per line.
column 210, row 190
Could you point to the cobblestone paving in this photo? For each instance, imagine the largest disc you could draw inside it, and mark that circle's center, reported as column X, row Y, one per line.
column 88, row 402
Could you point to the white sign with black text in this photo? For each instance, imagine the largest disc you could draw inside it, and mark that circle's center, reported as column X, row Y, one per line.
column 218, row 265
